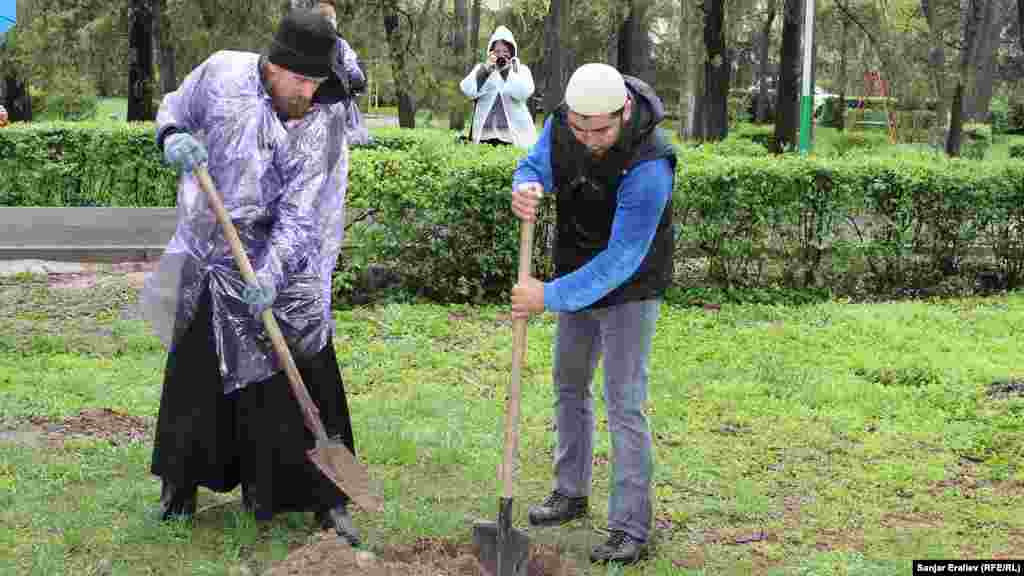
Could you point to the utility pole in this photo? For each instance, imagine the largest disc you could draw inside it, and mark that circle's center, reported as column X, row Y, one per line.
column 807, row 96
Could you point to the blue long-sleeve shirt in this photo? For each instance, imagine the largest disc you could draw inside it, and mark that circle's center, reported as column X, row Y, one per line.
column 642, row 196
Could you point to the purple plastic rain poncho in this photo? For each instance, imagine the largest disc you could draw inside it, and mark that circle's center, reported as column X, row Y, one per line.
column 348, row 64
column 284, row 186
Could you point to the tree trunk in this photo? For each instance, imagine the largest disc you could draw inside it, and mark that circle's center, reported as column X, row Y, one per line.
column 140, row 61
column 983, row 56
column 787, row 103
column 984, row 86
column 716, row 70
column 956, row 122
column 556, row 30
column 17, row 100
column 457, row 115
column 635, row 42
column 474, row 31
column 696, row 126
column 763, row 44
column 814, row 80
column 844, row 65
column 936, row 71
column 687, row 13
column 616, row 17
column 973, row 19
column 398, row 39
column 164, row 48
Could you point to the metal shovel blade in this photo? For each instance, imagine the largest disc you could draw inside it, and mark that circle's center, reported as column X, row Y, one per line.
column 341, row 467
column 501, row 549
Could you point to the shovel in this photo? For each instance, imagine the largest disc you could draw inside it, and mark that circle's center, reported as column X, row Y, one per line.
column 332, row 458
column 501, row 549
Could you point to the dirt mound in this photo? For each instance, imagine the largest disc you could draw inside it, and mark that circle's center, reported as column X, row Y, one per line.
column 104, row 423
column 327, row 554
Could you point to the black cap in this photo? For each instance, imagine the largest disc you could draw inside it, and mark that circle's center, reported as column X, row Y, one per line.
column 305, row 43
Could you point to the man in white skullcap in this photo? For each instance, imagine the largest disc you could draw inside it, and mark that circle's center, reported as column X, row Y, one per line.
column 612, row 171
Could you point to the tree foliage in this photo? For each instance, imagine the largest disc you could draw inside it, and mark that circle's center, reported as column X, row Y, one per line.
column 416, row 51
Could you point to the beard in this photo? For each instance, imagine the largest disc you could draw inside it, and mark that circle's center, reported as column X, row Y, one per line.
column 294, row 107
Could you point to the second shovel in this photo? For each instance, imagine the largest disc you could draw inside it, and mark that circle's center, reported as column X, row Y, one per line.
column 501, row 549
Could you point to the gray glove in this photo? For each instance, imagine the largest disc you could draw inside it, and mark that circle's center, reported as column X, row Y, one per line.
column 183, row 151
column 259, row 297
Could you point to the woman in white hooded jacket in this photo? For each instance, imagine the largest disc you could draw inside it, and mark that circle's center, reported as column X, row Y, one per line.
column 500, row 88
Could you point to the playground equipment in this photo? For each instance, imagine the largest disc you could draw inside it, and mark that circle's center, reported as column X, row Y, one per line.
column 875, row 86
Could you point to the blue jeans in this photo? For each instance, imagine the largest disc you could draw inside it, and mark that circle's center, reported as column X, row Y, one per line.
column 622, row 334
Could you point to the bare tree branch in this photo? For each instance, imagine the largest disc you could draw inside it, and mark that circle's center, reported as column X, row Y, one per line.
column 849, row 16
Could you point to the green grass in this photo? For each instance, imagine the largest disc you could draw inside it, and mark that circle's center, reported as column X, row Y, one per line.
column 115, row 109
column 853, row 437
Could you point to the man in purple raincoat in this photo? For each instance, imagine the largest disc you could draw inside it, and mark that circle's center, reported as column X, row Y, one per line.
column 276, row 146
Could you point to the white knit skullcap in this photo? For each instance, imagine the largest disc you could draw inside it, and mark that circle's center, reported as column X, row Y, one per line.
column 595, row 89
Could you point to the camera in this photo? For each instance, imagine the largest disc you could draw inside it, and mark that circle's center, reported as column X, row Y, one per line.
column 502, row 61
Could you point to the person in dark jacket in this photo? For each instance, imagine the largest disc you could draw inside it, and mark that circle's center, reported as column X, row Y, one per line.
column 611, row 170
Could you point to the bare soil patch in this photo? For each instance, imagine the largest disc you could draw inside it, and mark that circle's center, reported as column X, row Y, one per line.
column 116, row 427
column 326, row 555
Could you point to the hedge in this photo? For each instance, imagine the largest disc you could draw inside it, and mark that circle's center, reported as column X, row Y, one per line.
column 439, row 212
column 82, row 164
column 880, row 224
column 436, row 211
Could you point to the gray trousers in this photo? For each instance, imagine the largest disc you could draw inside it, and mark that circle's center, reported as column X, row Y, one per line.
column 622, row 334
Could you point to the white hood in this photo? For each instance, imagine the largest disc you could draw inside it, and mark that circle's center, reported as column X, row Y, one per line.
column 504, row 34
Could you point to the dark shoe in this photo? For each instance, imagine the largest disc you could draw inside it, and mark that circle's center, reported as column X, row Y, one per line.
column 621, row 548
column 176, row 501
column 340, row 520
column 558, row 509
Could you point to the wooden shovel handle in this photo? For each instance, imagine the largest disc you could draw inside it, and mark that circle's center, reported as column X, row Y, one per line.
column 284, row 355
column 518, row 358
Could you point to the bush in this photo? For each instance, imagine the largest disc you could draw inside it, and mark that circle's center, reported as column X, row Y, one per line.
column 83, row 164
column 863, row 225
column 763, row 135
column 999, row 116
column 408, row 140
column 441, row 218
column 1015, row 118
column 849, row 141
column 975, row 142
column 831, row 113
column 435, row 212
column 71, row 98
column 735, row 146
column 914, row 125
column 1017, row 151
column 974, row 149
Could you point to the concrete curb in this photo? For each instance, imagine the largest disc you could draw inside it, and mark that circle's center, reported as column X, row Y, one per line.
column 48, row 267
column 82, row 254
